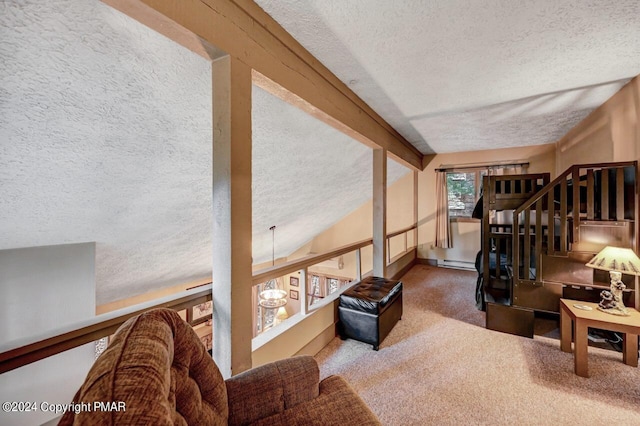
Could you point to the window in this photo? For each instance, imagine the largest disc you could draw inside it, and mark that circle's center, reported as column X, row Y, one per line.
column 323, row 285
column 333, row 284
column 463, row 192
column 265, row 317
column 316, row 292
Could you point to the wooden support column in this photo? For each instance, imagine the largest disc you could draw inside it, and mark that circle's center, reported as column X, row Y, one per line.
column 415, row 209
column 380, row 212
column 304, row 291
column 232, row 275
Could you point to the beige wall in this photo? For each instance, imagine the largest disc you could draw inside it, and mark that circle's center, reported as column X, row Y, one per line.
column 610, row 133
column 466, row 235
column 315, row 331
column 358, row 225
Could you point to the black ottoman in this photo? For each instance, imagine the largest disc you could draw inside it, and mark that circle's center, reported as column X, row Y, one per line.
column 368, row 311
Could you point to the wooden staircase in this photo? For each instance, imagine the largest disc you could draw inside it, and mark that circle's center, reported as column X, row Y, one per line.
column 565, row 224
column 559, row 229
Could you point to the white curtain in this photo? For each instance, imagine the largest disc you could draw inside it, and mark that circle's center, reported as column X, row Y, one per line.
column 443, row 229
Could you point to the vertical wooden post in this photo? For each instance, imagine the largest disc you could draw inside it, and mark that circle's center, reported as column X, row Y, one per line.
column 358, row 265
column 575, row 176
column 232, row 312
column 304, row 291
column 415, row 209
column 379, row 212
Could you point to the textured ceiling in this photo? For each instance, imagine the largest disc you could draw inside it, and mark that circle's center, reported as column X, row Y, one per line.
column 438, row 71
column 105, row 136
column 306, row 176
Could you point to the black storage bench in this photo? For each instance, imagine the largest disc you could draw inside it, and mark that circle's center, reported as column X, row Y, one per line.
column 368, row 311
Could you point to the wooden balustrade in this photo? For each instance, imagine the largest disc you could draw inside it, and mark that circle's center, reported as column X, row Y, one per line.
column 26, row 351
column 578, row 195
column 22, row 352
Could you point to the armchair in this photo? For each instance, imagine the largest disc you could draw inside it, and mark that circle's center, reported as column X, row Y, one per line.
column 159, row 369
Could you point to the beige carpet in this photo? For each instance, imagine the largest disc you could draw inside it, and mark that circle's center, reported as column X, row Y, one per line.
column 439, row 365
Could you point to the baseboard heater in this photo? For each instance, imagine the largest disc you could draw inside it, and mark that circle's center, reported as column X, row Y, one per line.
column 457, row 264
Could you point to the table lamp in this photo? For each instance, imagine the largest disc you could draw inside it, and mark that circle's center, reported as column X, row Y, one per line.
column 617, row 261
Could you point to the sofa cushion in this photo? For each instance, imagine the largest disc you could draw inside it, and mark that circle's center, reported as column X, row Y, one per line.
column 158, row 367
column 272, row 388
column 337, row 405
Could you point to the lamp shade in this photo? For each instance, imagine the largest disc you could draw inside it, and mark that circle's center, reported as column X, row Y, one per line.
column 616, row 259
column 282, row 314
column 273, row 298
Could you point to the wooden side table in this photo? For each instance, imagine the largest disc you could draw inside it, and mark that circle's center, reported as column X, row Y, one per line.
column 583, row 319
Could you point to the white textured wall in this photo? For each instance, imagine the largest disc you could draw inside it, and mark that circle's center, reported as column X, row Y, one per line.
column 105, row 135
column 42, row 289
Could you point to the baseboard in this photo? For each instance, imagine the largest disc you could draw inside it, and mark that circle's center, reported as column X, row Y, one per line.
column 457, row 264
column 319, row 342
column 430, row 262
column 404, row 263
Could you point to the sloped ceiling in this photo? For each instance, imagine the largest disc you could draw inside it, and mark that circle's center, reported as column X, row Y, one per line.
column 306, row 176
column 105, row 136
column 462, row 75
column 105, row 130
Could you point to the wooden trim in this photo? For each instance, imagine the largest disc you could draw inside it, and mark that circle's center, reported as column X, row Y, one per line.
column 409, row 257
column 430, row 262
column 564, row 175
column 231, row 215
column 604, row 200
column 401, row 231
column 590, row 195
column 280, row 92
column 305, row 262
column 463, row 219
column 472, row 167
column 575, row 179
column 379, row 213
column 620, row 194
column 162, row 24
column 243, row 30
column 563, row 216
column 200, row 320
column 28, row 351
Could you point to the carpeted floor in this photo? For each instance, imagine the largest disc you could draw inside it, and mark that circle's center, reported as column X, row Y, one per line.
column 439, row 365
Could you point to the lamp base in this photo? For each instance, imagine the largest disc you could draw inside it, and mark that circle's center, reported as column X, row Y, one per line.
column 611, row 302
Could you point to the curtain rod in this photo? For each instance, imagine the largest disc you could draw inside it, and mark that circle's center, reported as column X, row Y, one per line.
column 476, row 166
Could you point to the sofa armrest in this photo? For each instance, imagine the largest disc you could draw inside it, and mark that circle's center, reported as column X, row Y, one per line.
column 272, row 388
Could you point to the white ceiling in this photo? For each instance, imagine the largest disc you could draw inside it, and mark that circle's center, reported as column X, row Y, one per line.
column 105, row 136
column 438, row 71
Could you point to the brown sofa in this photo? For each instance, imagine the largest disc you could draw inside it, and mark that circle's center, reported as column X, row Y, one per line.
column 157, row 369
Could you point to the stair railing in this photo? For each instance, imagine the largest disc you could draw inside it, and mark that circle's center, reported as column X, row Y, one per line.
column 553, row 200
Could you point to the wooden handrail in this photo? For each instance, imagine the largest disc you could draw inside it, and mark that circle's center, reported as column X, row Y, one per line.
column 545, row 189
column 25, row 351
column 276, row 271
column 21, row 352
column 401, row 231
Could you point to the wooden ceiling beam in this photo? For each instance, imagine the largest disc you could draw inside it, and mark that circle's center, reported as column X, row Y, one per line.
column 243, row 30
